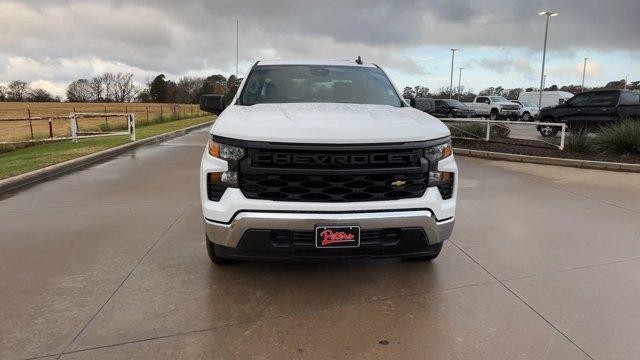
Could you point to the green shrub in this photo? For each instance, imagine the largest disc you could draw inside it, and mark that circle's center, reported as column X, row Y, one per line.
column 622, row 138
column 468, row 130
column 579, row 142
column 500, row 130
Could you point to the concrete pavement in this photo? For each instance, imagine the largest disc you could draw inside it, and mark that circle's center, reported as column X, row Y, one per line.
column 109, row 262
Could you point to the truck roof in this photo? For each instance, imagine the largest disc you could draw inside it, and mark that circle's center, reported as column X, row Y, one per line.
column 315, row 62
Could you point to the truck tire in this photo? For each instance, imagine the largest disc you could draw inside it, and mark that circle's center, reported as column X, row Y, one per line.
column 548, row 131
column 215, row 258
column 429, row 257
column 494, row 115
column 526, row 116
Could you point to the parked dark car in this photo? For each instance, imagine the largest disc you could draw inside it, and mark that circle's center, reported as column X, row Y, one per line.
column 591, row 110
column 450, row 108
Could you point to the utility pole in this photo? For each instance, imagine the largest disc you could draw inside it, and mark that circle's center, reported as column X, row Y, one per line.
column 453, row 52
column 548, row 14
column 459, row 82
column 626, row 78
column 584, row 69
column 237, row 25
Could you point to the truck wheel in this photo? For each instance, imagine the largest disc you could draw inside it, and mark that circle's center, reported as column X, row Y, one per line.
column 526, row 116
column 218, row 260
column 548, row 131
column 494, row 114
column 437, row 248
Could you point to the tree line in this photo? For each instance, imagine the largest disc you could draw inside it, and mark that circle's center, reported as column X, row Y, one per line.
column 19, row 90
column 121, row 87
column 189, row 89
column 514, row 93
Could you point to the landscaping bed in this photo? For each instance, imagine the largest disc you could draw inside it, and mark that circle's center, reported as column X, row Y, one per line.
column 536, row 150
column 619, row 143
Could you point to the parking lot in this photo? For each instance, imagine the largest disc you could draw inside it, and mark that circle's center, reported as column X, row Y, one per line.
column 109, row 262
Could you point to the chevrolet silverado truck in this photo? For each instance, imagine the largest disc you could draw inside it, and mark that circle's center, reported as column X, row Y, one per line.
column 495, row 107
column 324, row 160
column 591, row 110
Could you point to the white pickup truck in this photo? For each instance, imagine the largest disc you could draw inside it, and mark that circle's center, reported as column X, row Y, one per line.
column 324, row 160
column 495, row 107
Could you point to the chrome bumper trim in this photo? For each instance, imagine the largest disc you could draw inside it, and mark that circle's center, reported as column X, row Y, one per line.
column 230, row 234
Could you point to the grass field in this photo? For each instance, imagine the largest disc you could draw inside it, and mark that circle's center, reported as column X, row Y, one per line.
column 21, row 130
column 39, row 156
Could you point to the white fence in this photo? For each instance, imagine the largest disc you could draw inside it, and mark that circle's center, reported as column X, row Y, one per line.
column 512, row 125
column 75, row 134
column 75, row 131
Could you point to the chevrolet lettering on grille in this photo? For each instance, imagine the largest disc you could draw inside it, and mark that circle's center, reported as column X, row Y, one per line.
column 335, row 160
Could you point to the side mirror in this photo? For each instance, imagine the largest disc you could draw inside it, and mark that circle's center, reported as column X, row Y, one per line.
column 212, row 103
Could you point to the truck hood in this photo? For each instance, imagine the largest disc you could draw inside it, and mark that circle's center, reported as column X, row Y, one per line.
column 330, row 123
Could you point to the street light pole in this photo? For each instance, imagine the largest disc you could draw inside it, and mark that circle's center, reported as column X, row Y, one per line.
column 548, row 14
column 459, row 82
column 237, row 46
column 453, row 52
column 626, row 78
column 584, row 69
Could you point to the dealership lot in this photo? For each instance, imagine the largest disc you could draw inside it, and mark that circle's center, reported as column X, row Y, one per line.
column 109, row 262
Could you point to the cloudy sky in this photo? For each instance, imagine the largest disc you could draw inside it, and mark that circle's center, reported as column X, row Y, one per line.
column 50, row 43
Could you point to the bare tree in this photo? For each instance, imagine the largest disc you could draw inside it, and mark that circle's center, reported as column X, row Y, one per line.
column 18, row 90
column 189, row 89
column 125, row 89
column 3, row 93
column 79, row 91
column 97, row 89
column 108, row 81
column 41, row 95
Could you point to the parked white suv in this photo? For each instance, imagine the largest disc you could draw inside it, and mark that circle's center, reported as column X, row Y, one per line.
column 316, row 160
column 528, row 110
column 495, row 107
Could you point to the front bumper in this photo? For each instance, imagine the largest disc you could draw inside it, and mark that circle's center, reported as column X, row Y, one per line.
column 251, row 234
column 509, row 113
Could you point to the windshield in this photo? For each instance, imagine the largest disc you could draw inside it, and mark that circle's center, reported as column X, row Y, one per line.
column 455, row 104
column 318, row 83
column 498, row 99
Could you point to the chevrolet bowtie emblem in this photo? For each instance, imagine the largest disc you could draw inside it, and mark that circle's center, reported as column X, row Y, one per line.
column 398, row 183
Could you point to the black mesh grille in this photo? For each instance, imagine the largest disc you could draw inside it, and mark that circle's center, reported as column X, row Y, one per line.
column 333, row 188
column 334, row 173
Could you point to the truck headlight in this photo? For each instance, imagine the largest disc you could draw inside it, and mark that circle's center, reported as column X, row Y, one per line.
column 442, row 179
column 232, row 154
column 438, row 152
column 225, row 152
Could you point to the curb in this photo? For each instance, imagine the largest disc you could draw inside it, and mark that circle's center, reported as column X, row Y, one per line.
column 584, row 164
column 65, row 166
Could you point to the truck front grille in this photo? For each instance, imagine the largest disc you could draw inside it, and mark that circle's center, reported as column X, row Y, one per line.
column 334, row 173
column 333, row 188
column 510, row 107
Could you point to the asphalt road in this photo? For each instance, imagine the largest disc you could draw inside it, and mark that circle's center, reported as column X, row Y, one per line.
column 109, row 262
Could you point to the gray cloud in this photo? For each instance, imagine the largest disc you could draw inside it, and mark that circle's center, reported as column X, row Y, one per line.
column 505, row 65
column 198, row 37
